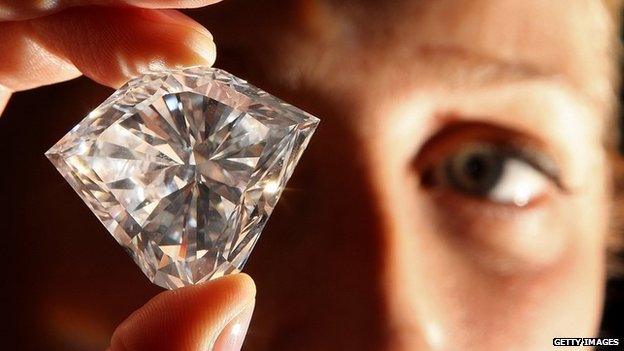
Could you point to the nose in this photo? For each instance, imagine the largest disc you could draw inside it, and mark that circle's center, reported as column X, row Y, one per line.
column 412, row 304
column 416, row 279
column 331, row 273
column 322, row 291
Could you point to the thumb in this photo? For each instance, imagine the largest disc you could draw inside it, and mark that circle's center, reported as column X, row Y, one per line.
column 210, row 316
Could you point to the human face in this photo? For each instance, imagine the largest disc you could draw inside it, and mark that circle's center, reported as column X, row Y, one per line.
column 455, row 195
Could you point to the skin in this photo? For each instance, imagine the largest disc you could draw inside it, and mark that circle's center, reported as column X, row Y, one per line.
column 365, row 255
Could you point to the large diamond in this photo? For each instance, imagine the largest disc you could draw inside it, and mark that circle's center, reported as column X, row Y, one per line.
column 184, row 167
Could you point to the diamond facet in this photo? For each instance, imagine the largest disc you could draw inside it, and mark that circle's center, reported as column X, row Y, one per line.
column 184, row 167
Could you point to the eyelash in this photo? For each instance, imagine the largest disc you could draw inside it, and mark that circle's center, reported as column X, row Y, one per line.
column 534, row 159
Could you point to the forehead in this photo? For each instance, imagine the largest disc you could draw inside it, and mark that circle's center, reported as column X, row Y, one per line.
column 447, row 40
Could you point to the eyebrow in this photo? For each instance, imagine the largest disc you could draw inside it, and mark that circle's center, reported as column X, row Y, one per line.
column 463, row 67
column 466, row 67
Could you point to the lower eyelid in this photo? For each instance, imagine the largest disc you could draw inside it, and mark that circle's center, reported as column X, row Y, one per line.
column 520, row 239
column 471, row 207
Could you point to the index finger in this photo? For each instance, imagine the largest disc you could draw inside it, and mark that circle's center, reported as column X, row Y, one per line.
column 11, row 10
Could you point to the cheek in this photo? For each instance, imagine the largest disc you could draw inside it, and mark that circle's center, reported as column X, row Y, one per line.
column 509, row 241
column 503, row 241
column 528, row 311
column 521, row 278
column 538, row 274
column 529, row 279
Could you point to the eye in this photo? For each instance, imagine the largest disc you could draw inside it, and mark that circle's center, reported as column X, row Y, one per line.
column 491, row 173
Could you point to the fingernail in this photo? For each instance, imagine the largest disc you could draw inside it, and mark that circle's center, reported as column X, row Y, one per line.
column 233, row 335
column 201, row 43
column 207, row 51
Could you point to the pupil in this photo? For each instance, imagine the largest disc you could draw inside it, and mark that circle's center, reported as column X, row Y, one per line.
column 476, row 173
column 476, row 168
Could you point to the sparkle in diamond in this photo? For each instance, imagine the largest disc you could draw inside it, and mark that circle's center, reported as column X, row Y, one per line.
column 184, row 168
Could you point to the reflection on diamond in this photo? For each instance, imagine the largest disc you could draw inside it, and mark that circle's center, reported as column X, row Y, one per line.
column 184, row 168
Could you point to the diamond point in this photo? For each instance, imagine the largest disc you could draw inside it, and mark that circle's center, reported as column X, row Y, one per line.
column 184, row 168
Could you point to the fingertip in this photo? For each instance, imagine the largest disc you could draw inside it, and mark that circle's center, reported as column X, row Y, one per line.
column 187, row 318
column 231, row 287
column 160, row 39
column 245, row 282
column 188, row 33
column 204, row 52
column 112, row 45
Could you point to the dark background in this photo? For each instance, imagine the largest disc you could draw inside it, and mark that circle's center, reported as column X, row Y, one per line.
column 63, row 269
column 613, row 319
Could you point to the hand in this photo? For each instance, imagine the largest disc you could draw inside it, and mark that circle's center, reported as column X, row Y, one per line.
column 40, row 45
column 210, row 316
